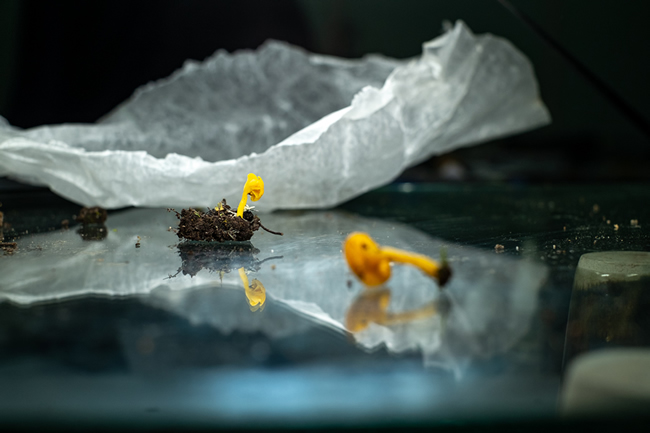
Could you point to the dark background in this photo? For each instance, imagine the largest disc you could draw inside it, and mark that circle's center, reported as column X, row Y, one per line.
column 73, row 61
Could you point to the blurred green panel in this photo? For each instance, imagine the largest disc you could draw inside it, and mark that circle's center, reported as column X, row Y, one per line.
column 9, row 12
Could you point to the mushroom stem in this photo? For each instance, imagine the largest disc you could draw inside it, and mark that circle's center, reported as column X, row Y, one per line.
column 244, row 277
column 425, row 264
column 242, row 203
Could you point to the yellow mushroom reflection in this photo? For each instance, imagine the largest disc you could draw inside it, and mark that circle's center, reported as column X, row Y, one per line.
column 371, row 263
column 371, row 306
column 255, row 291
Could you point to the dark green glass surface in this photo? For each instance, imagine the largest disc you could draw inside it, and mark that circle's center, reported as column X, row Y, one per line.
column 159, row 359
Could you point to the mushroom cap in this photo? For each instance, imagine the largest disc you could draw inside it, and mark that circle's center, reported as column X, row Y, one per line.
column 366, row 259
column 256, row 293
column 369, row 307
column 254, row 187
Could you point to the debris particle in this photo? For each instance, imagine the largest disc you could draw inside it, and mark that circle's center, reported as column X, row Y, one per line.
column 596, row 208
column 92, row 215
column 634, row 223
column 8, row 247
column 349, row 284
column 498, row 248
column 615, row 226
column 93, row 232
column 137, row 244
column 65, row 224
column 609, row 222
column 273, row 267
column 564, row 228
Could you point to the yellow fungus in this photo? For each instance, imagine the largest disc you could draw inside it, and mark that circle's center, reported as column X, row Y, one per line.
column 256, row 295
column 255, row 291
column 372, row 307
column 254, row 187
column 371, row 263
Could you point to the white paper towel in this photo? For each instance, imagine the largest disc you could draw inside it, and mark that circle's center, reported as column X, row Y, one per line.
column 191, row 140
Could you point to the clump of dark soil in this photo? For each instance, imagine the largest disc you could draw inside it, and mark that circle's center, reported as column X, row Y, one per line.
column 93, row 232
column 92, row 215
column 92, row 221
column 220, row 225
column 8, row 247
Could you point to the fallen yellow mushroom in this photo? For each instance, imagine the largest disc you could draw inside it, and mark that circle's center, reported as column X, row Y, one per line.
column 371, row 263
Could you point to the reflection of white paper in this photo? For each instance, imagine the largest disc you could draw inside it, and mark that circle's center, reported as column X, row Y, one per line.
column 191, row 139
column 493, row 296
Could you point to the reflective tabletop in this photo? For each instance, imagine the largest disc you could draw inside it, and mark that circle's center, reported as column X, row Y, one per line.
column 124, row 324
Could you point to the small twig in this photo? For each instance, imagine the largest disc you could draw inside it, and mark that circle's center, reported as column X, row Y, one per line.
column 271, row 258
column 271, row 231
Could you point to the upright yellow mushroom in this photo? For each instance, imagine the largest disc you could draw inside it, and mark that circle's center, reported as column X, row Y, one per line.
column 371, row 263
column 254, row 187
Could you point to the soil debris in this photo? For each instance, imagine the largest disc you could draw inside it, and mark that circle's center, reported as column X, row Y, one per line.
column 8, row 247
column 220, row 224
column 93, row 232
column 92, row 215
column 92, row 223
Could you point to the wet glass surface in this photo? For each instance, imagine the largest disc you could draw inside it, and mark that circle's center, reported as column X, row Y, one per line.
column 125, row 324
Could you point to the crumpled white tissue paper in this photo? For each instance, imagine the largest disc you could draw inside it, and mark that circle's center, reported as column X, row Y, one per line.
column 191, row 139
